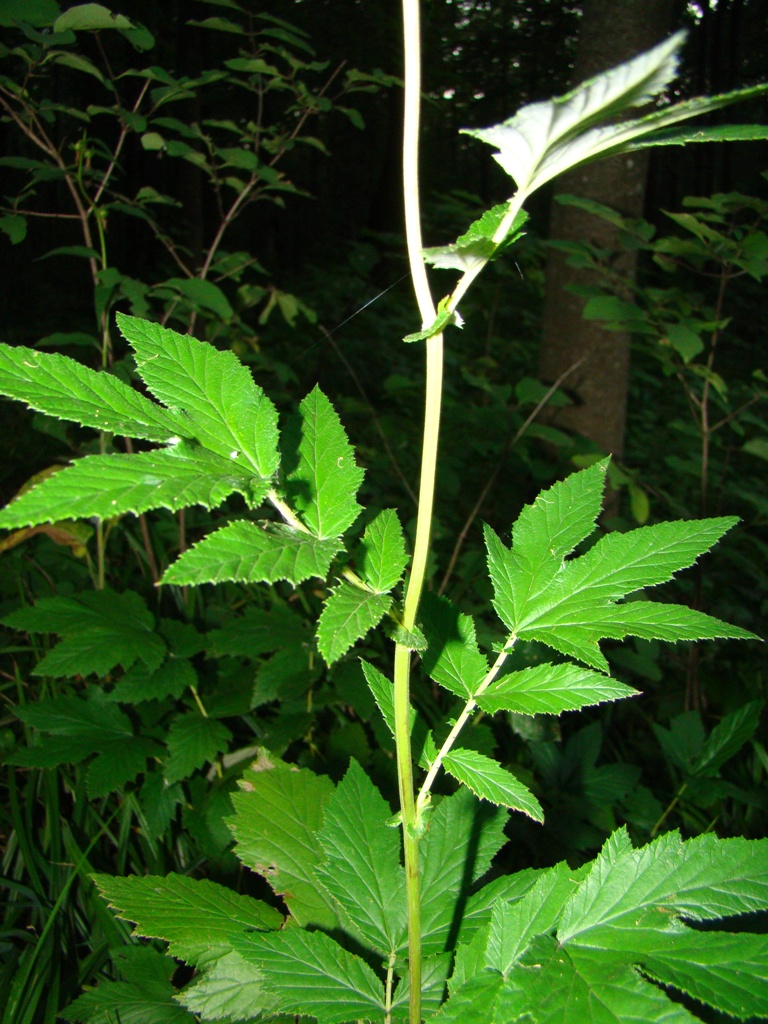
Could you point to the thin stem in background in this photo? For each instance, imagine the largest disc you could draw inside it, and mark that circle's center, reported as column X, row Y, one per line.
column 376, row 422
column 510, row 443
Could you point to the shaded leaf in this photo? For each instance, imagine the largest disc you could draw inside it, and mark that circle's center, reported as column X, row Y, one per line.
column 361, row 867
column 100, row 630
column 452, row 658
column 277, row 815
column 463, row 836
column 193, row 741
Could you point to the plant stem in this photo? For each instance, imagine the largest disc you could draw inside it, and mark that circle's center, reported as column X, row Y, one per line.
column 461, row 721
column 411, row 35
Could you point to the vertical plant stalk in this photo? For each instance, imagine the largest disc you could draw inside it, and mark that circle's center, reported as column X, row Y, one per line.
column 412, row 76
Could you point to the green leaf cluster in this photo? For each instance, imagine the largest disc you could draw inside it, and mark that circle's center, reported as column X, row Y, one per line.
column 548, row 945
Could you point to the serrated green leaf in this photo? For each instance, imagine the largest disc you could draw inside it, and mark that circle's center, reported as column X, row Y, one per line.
column 570, row 605
column 515, row 925
column 484, row 999
column 321, row 475
column 488, row 780
column 361, row 866
column 570, row 990
column 545, row 139
column 701, row 879
column 545, row 532
column 61, row 387
column 726, row 971
column 111, row 485
column 193, row 741
column 229, row 988
column 225, row 409
column 476, row 246
column 101, row 630
column 311, row 974
column 132, row 1002
column 254, row 553
column 277, row 815
column 463, row 837
column 713, row 133
column 551, row 689
column 384, row 557
column 347, row 616
column 506, row 889
column 383, row 693
column 452, row 658
column 172, row 909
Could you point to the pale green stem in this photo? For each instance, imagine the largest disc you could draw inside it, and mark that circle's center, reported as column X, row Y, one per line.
column 461, row 721
column 401, row 696
column 286, row 512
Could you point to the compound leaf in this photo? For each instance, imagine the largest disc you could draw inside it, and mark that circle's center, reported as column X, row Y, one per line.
column 61, row 387
column 252, row 553
column 321, row 475
column 545, row 139
column 347, row 616
column 571, row 605
column 488, row 780
column 361, row 868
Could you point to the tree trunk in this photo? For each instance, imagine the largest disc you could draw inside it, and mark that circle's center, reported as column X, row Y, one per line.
column 610, row 33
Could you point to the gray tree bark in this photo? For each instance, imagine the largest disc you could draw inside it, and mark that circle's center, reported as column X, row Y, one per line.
column 612, row 31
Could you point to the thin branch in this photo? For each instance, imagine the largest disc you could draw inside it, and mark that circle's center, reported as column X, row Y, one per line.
column 376, row 422
column 510, row 443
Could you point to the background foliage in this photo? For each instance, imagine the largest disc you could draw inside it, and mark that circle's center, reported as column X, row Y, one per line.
column 131, row 711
